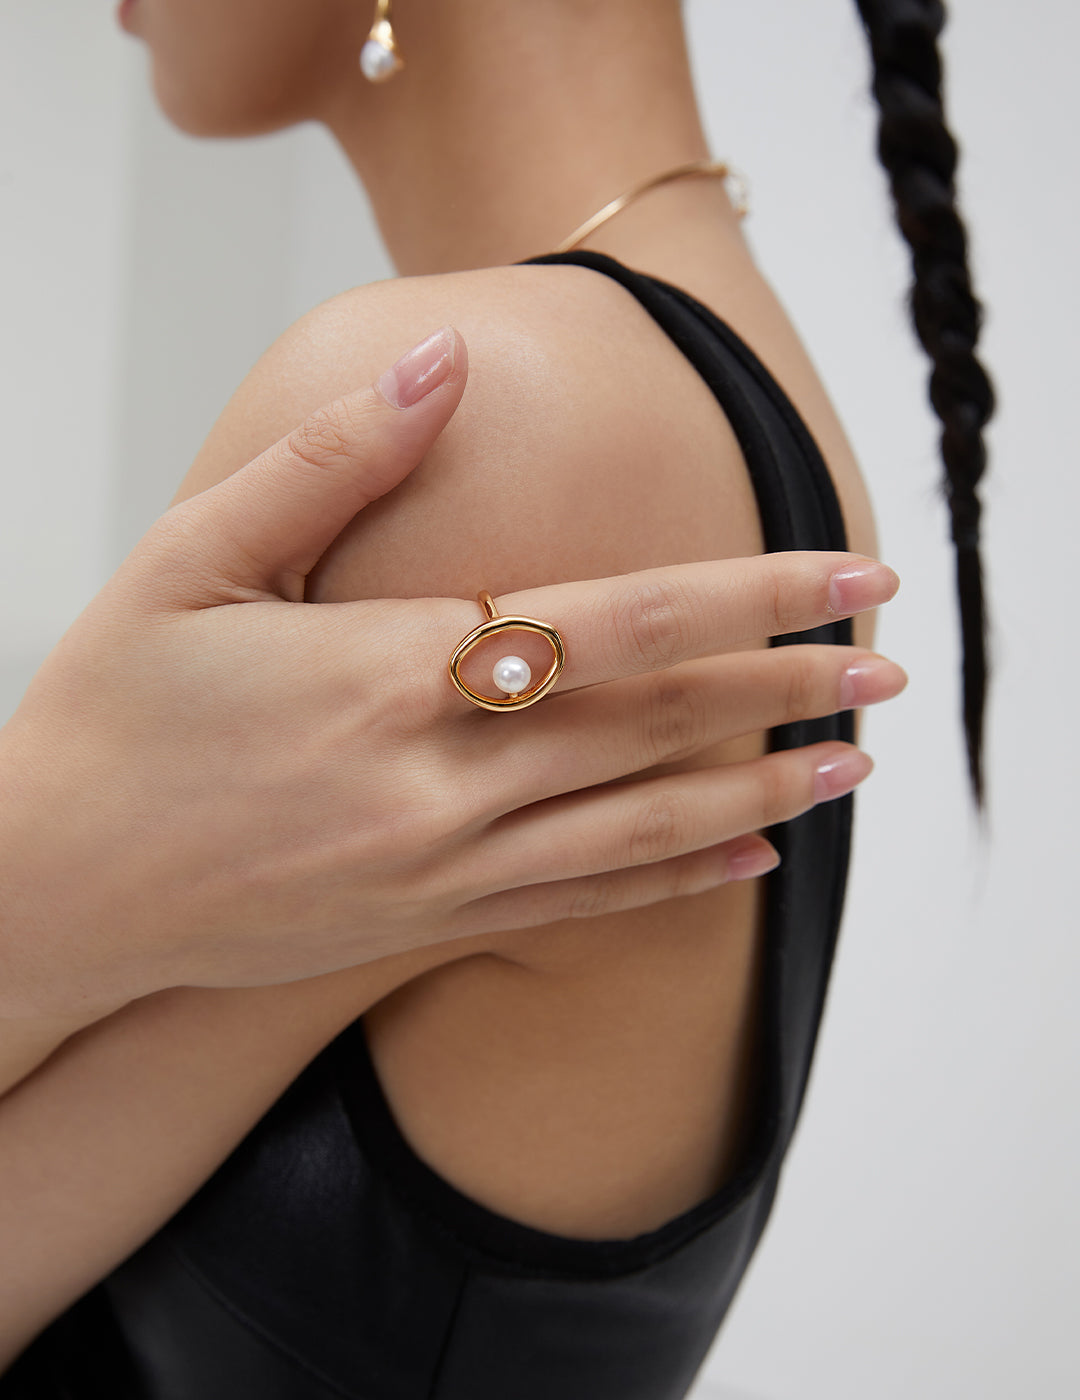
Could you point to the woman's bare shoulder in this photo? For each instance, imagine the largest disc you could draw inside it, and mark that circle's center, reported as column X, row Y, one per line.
column 573, row 390
column 509, row 316
column 585, row 443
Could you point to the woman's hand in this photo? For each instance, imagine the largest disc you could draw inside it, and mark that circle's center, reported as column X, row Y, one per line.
column 211, row 782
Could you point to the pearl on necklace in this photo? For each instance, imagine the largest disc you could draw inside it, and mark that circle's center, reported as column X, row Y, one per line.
column 512, row 674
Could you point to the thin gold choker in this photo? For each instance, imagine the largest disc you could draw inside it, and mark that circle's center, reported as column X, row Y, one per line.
column 693, row 167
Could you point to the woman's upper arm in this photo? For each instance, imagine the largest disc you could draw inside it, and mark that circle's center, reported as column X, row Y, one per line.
column 584, row 446
column 575, row 453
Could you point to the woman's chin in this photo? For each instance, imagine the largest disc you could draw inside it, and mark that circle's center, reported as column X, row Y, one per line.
column 203, row 114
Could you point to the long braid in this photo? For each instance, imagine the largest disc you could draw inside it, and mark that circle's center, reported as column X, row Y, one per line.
column 920, row 155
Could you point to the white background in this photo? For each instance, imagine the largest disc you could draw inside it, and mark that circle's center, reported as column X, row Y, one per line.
column 925, row 1238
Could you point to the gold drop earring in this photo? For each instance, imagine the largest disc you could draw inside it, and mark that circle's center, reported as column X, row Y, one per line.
column 379, row 58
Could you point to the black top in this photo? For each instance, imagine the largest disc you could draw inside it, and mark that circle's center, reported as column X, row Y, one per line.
column 325, row 1259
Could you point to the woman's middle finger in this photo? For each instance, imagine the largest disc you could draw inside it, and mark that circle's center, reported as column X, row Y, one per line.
column 611, row 731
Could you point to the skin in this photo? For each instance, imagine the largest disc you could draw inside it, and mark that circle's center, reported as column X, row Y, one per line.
column 439, row 150
column 439, row 147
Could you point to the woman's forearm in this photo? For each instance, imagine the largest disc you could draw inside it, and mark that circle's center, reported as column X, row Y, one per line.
column 29, row 1034
column 25, row 1045
column 109, row 1137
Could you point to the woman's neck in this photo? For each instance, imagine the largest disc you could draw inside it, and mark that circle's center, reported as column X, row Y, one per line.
column 513, row 123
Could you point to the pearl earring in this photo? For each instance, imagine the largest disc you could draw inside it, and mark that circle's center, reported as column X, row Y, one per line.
column 379, row 58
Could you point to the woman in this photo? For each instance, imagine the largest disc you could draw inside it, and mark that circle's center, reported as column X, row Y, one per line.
column 587, row 1127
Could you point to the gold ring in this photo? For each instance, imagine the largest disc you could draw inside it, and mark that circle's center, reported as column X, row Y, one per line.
column 511, row 674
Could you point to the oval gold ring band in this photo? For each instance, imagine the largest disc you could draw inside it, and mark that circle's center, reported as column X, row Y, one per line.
column 511, row 674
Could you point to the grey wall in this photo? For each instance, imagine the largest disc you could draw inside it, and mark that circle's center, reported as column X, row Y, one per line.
column 925, row 1237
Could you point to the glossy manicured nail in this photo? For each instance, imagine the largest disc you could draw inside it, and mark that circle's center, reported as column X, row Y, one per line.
column 840, row 774
column 749, row 861
column 419, row 370
column 857, row 587
column 870, row 681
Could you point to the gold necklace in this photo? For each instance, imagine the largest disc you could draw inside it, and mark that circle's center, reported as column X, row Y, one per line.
column 693, row 167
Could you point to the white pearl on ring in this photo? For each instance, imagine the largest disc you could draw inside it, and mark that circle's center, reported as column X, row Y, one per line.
column 511, row 674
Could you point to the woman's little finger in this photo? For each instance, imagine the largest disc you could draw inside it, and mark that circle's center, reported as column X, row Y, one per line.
column 588, row 896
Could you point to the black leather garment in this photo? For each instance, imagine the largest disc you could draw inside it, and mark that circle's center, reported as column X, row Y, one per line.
column 325, row 1259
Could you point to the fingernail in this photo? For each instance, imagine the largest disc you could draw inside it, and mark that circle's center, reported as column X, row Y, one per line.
column 856, row 587
column 749, row 861
column 419, row 370
column 838, row 775
column 868, row 682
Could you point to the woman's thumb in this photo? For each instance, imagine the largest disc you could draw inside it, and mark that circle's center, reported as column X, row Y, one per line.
column 265, row 527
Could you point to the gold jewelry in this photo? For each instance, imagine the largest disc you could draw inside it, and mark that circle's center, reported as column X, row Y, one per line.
column 511, row 673
column 379, row 58
column 693, row 167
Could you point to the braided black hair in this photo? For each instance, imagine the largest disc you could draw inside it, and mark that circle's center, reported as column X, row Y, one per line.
column 920, row 155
